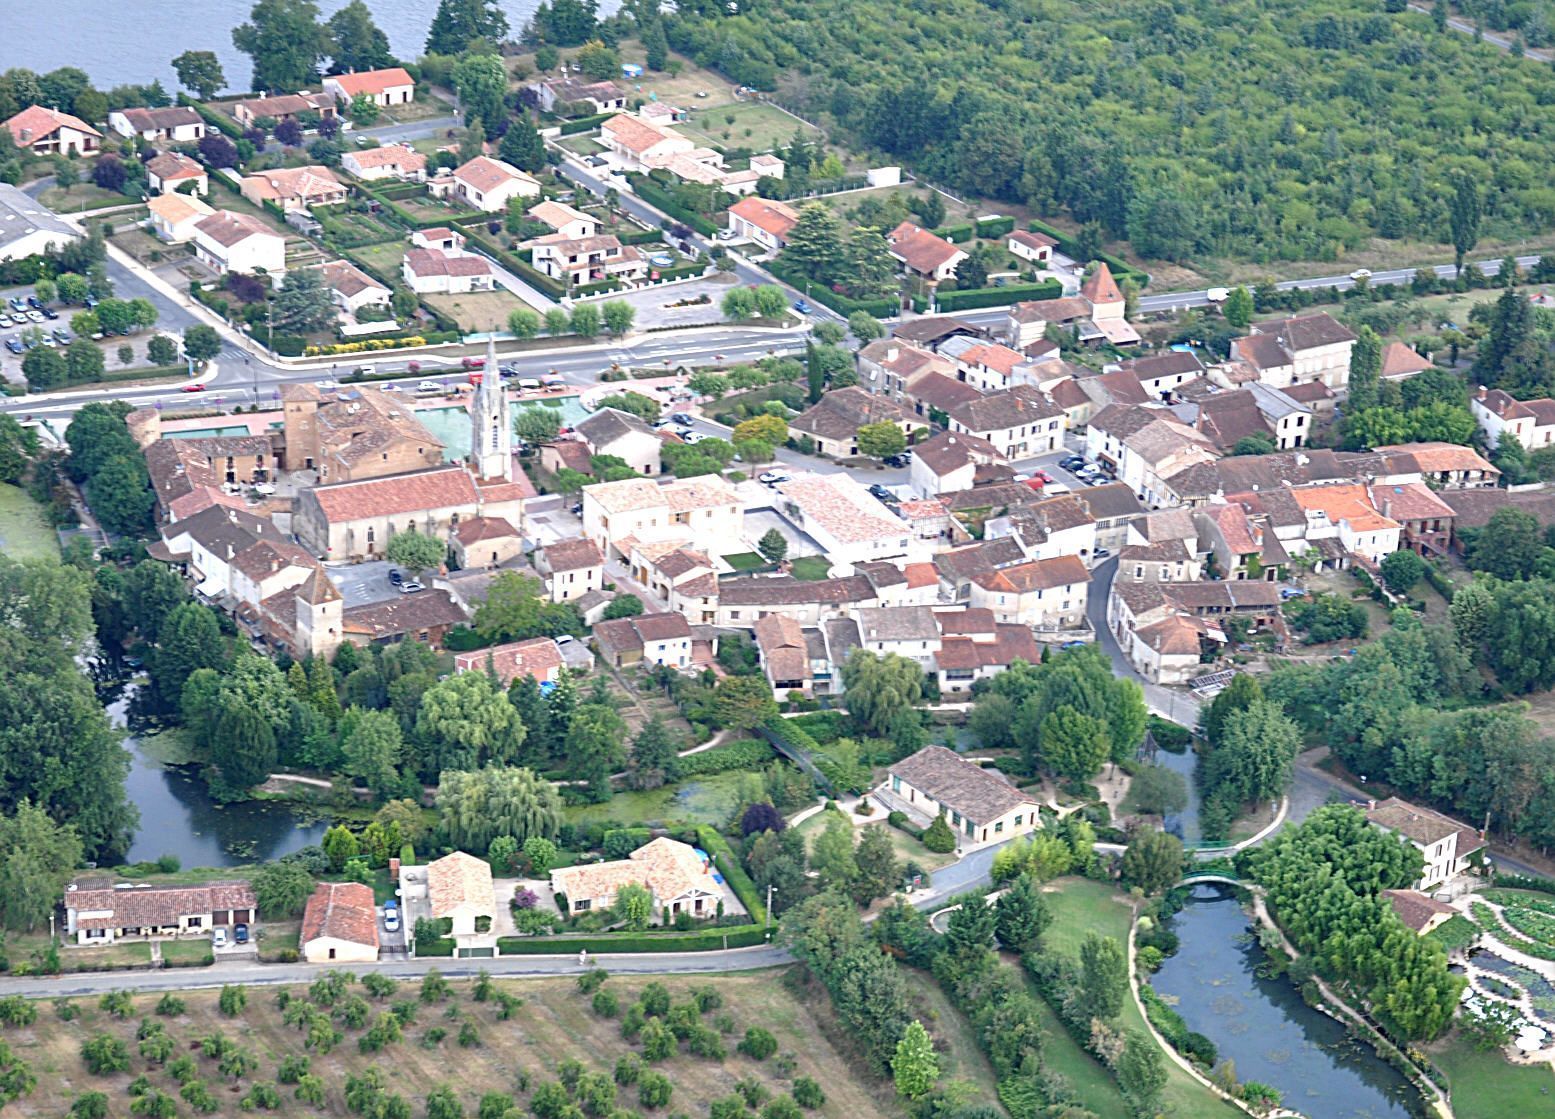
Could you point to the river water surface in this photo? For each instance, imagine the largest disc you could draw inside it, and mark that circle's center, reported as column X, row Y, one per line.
column 121, row 42
column 1264, row 1026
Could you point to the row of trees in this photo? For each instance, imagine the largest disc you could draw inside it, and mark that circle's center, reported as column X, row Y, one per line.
column 1323, row 881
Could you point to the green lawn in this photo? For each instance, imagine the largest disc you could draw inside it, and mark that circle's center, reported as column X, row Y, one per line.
column 755, row 126
column 811, row 568
column 23, row 532
column 1093, row 1084
column 745, row 561
column 955, row 1039
column 1485, row 1086
column 384, row 258
column 188, row 951
column 1081, row 906
column 706, row 800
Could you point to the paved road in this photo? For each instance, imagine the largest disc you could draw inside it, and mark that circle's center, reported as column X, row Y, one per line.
column 1500, row 40
column 1170, row 703
column 507, row 967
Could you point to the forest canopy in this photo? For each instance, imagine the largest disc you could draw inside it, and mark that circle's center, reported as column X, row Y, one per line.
column 1258, row 129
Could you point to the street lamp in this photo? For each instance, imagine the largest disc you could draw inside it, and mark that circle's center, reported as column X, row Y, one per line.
column 771, row 889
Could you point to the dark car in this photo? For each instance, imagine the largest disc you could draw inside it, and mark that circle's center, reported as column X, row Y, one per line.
column 50, row 313
column 15, row 346
column 897, row 460
column 1071, row 462
column 682, row 418
column 240, row 933
column 576, row 509
column 35, row 303
column 395, row 576
column 882, row 493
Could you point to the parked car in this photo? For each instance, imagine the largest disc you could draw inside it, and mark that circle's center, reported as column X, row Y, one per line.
column 410, row 586
column 396, row 576
column 882, row 494
column 15, row 346
column 17, row 303
column 35, row 316
column 692, row 438
column 1042, row 476
column 682, row 418
column 218, row 938
column 240, row 933
column 1067, row 645
column 565, row 639
column 1102, row 553
column 62, row 336
column 898, row 461
column 391, row 917
column 1071, row 462
column 91, row 302
column 34, row 302
column 429, row 386
column 772, row 478
column 1288, row 593
column 264, row 489
column 50, row 313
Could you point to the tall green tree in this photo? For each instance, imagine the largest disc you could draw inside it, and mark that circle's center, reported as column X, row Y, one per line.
column 242, row 745
column 466, row 722
column 1103, row 977
column 1021, row 916
column 815, row 244
column 833, row 858
column 372, row 745
column 473, row 808
column 1464, row 210
column 883, row 692
column 303, row 303
column 188, row 639
column 37, row 858
column 286, row 43
column 1152, row 860
column 522, row 146
column 200, row 73
column 1238, row 308
column 356, row 42
column 915, row 1066
column 1365, row 370
column 458, row 23
column 481, row 81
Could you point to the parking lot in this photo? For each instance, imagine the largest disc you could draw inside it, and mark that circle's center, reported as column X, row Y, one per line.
column 19, row 326
column 362, row 584
column 656, row 306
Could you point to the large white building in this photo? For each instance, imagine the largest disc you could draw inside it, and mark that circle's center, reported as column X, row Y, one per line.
column 617, row 515
column 28, row 227
column 232, row 242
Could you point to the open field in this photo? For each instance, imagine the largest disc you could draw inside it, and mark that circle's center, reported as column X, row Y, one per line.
column 426, row 106
column 23, row 533
column 478, row 310
column 554, row 1024
column 754, row 125
column 1486, row 1086
column 82, row 196
column 708, row 800
column 385, row 257
column 1080, row 907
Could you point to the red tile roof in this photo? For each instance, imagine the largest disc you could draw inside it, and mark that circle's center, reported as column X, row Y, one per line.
column 341, row 911
column 372, row 82
column 36, row 121
column 767, row 215
column 1101, row 289
column 443, row 488
column 919, row 249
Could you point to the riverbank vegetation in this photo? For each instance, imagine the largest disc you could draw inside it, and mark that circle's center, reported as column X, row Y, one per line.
column 537, row 1047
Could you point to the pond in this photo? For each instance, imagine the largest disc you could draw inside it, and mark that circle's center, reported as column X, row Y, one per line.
column 1185, row 824
column 179, row 818
column 1264, row 1027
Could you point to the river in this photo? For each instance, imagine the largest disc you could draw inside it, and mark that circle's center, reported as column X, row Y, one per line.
column 1185, row 824
column 120, row 42
column 179, row 818
column 1264, row 1027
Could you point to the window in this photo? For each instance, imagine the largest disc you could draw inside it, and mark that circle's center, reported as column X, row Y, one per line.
column 580, row 906
column 999, row 827
column 1018, row 820
column 896, row 783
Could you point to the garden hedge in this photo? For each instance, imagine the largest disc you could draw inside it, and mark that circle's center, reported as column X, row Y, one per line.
column 879, row 308
column 734, row 874
column 998, row 296
column 655, row 195
column 584, row 124
column 995, row 227
column 1066, row 245
column 526, row 272
column 747, row 753
column 957, row 233
column 218, row 121
column 708, row 940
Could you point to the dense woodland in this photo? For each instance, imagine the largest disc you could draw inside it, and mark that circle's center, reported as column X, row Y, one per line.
column 1265, row 131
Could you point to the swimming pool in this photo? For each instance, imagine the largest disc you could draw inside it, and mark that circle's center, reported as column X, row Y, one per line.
column 210, row 432
column 452, row 425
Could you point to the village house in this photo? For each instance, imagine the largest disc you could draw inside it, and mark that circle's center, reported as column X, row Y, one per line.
column 989, row 366
column 565, row 220
column 459, row 890
column 485, row 542
column 1419, row 912
column 1163, row 629
column 974, row 647
column 658, row 639
column 438, row 272
column 610, row 431
column 1530, row 422
column 616, row 515
column 766, row 221
column 640, row 144
column 923, row 253
column 833, row 422
column 1245, row 545
column 791, row 656
column 351, row 288
column 891, row 367
column 294, row 188
column 537, row 657
column 425, row 617
column 45, row 131
column 1045, row 594
column 842, row 517
column 949, row 462
column 340, row 924
column 1143, row 446
column 595, row 97
column 391, row 161
column 1298, row 350
column 1161, row 375
column 1097, row 314
column 173, row 217
column 228, row 241
column 285, row 106
column 1426, row 520
column 912, row 632
column 744, row 601
column 172, row 171
column 384, row 88
column 678, row 878
column 1449, row 847
column 353, row 434
column 980, row 806
column 487, row 184
column 1345, row 512
column 1019, row 422
column 585, row 260
column 1035, row 248
column 572, row 568
column 99, row 911
column 1400, row 362
column 1046, row 528
column 28, row 227
column 439, row 237
column 174, row 124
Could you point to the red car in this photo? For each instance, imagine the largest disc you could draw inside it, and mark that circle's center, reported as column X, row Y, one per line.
column 194, row 388
column 474, row 362
column 1044, row 477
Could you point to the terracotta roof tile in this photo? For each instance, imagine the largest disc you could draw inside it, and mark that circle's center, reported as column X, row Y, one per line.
column 341, row 911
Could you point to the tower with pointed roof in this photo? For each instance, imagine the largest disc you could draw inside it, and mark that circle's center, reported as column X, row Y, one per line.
column 491, row 425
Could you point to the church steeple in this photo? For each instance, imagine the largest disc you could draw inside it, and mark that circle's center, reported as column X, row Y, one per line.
column 491, row 425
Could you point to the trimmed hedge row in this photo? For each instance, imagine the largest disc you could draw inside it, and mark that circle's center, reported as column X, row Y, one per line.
column 655, row 195
column 442, row 946
column 796, row 738
column 640, row 236
column 998, row 297
column 957, row 233
column 747, row 753
column 995, row 227
column 734, row 874
column 584, row 124
column 710, row 940
column 1066, row 245
column 218, row 121
column 150, row 373
column 526, row 272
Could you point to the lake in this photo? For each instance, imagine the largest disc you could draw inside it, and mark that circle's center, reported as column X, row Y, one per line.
column 134, row 41
column 1264, row 1027
column 178, row 816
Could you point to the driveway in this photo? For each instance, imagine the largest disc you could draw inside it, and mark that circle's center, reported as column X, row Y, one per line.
column 676, row 304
